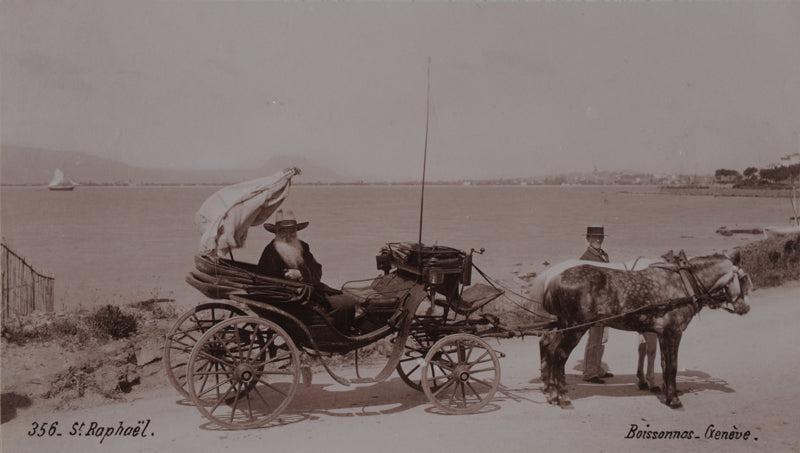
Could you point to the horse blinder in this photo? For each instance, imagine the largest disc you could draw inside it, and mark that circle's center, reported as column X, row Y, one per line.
column 739, row 303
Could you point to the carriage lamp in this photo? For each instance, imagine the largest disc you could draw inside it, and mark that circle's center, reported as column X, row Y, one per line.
column 384, row 261
column 435, row 276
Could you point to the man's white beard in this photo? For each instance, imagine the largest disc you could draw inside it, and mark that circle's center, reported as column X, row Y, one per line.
column 291, row 252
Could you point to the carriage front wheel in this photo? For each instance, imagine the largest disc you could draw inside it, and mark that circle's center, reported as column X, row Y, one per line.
column 466, row 377
column 243, row 372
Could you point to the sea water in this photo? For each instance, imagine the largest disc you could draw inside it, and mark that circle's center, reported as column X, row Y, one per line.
column 123, row 244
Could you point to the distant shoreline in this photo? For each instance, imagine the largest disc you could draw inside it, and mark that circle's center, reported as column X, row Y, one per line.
column 716, row 191
column 724, row 191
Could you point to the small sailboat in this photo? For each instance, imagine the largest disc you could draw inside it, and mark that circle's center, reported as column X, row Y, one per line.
column 61, row 182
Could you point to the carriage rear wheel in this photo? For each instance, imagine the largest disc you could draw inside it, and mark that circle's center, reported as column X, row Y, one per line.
column 243, row 372
column 185, row 333
column 468, row 374
column 410, row 365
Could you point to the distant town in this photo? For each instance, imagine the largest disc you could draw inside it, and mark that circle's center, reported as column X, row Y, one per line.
column 27, row 167
column 573, row 179
column 751, row 177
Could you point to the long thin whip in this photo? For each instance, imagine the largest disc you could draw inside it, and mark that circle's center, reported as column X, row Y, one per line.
column 424, row 161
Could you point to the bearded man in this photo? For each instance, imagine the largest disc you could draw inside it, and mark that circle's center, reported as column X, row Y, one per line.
column 288, row 257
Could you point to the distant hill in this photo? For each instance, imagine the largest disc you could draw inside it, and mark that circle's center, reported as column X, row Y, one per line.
column 30, row 166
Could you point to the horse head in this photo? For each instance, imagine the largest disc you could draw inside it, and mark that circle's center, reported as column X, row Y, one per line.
column 726, row 283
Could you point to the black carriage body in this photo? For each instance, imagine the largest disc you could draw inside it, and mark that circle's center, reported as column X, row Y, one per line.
column 385, row 303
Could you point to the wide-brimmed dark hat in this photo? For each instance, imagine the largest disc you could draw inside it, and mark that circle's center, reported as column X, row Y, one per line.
column 595, row 230
column 284, row 220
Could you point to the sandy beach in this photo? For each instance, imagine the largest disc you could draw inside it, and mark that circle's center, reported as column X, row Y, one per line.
column 736, row 373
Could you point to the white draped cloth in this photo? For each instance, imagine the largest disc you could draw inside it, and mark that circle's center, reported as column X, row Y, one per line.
column 225, row 217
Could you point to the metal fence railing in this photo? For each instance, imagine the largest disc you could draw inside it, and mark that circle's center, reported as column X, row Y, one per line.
column 24, row 290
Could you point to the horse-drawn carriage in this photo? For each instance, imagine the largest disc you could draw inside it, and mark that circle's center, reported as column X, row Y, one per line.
column 241, row 358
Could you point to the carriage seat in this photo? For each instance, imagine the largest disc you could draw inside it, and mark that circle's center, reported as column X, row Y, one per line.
column 473, row 298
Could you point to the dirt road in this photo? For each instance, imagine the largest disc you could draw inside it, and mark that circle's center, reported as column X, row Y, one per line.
column 737, row 374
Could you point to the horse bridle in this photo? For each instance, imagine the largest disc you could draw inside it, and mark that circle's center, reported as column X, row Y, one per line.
column 724, row 289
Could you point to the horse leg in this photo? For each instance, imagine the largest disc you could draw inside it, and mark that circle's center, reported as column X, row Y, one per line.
column 547, row 366
column 651, row 340
column 669, row 342
column 642, row 384
column 561, row 353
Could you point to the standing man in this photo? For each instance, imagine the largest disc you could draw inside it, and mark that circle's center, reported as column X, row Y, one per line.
column 593, row 369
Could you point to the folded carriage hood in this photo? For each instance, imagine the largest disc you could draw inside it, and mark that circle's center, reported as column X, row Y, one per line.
column 225, row 217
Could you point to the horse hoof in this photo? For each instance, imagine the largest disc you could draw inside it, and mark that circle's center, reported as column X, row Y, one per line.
column 643, row 386
column 655, row 389
column 675, row 403
column 566, row 404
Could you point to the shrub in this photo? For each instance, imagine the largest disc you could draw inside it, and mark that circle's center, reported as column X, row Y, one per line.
column 20, row 330
column 772, row 262
column 110, row 320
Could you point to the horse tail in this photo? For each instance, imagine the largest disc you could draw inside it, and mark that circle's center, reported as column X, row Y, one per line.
column 549, row 302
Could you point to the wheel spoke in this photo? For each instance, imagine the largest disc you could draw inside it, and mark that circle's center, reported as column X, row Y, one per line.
column 222, row 343
column 205, row 379
column 255, row 389
column 249, row 406
column 481, row 370
column 444, row 376
column 450, row 361
column 220, row 400
column 235, row 400
column 474, row 392
column 203, row 373
column 455, row 391
column 447, row 384
column 215, row 387
column 485, row 353
column 272, row 387
column 481, row 381
column 238, row 344
column 412, row 370
column 252, row 342
column 214, row 359
column 188, row 346
column 276, row 359
column 466, row 350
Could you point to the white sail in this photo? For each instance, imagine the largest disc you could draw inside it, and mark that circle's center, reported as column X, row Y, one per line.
column 61, row 182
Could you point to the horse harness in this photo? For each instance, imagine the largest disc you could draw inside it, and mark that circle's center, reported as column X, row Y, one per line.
column 697, row 294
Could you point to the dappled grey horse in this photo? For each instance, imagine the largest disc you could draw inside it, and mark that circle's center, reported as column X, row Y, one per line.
column 663, row 298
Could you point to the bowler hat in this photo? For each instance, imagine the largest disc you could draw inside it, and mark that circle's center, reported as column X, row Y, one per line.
column 595, row 230
column 285, row 220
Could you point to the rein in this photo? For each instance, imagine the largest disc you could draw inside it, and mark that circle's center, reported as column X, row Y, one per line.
column 668, row 306
column 697, row 294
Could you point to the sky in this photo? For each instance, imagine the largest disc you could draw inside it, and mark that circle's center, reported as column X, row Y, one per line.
column 504, row 89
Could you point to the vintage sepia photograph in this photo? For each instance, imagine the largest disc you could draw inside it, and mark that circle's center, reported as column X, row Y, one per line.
column 394, row 226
